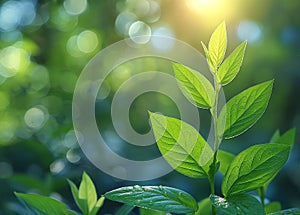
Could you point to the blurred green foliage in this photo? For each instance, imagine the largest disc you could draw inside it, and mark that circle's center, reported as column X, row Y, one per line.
column 44, row 45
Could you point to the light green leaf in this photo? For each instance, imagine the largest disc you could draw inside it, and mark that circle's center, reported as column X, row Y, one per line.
column 254, row 167
column 144, row 211
column 81, row 203
column 87, row 191
column 292, row 211
column 272, row 207
column 237, row 204
column 243, row 110
column 98, row 205
column 42, row 205
column 210, row 64
column 181, row 145
column 194, row 86
column 159, row 198
column 225, row 159
column 204, row 207
column 125, row 210
column 217, row 45
column 231, row 66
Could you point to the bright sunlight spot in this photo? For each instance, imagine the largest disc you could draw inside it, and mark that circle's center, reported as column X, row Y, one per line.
column 203, row 5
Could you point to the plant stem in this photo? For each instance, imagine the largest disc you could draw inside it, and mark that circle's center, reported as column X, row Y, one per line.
column 262, row 196
column 217, row 140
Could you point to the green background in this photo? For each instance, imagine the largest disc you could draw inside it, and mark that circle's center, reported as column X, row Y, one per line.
column 44, row 45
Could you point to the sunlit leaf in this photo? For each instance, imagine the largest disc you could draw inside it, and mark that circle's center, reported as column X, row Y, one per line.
column 254, row 167
column 231, row 66
column 194, row 86
column 87, row 191
column 243, row 110
column 181, row 145
column 217, row 45
column 208, row 59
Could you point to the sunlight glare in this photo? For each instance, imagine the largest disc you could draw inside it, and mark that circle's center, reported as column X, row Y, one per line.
column 202, row 5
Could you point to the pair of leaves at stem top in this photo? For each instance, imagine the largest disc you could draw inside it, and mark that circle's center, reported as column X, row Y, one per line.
column 85, row 198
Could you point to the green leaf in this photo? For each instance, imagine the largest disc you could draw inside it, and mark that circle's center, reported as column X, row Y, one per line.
column 237, row 204
column 181, row 145
column 194, row 86
column 225, row 159
column 272, row 207
column 231, row 66
column 209, row 62
column 254, row 167
column 243, row 110
column 87, row 191
column 42, row 205
column 98, row 205
column 217, row 45
column 275, row 137
column 81, row 203
column 144, row 211
column 204, row 207
column 287, row 138
column 292, row 211
column 160, row 198
column 125, row 209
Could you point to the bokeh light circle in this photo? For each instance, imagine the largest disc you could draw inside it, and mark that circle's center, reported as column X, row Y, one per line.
column 139, row 32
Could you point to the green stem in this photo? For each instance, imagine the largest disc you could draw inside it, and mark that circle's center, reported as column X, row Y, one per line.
column 262, row 196
column 217, row 140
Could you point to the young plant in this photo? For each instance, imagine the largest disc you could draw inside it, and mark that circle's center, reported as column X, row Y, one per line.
column 85, row 197
column 187, row 151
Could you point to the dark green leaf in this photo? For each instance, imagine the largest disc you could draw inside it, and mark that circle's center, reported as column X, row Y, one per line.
column 42, row 205
column 225, row 159
column 272, row 207
column 254, row 167
column 159, row 198
column 237, row 204
column 181, row 145
column 217, row 45
column 194, row 86
column 243, row 110
column 125, row 209
column 231, row 66
column 292, row 211
column 275, row 137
